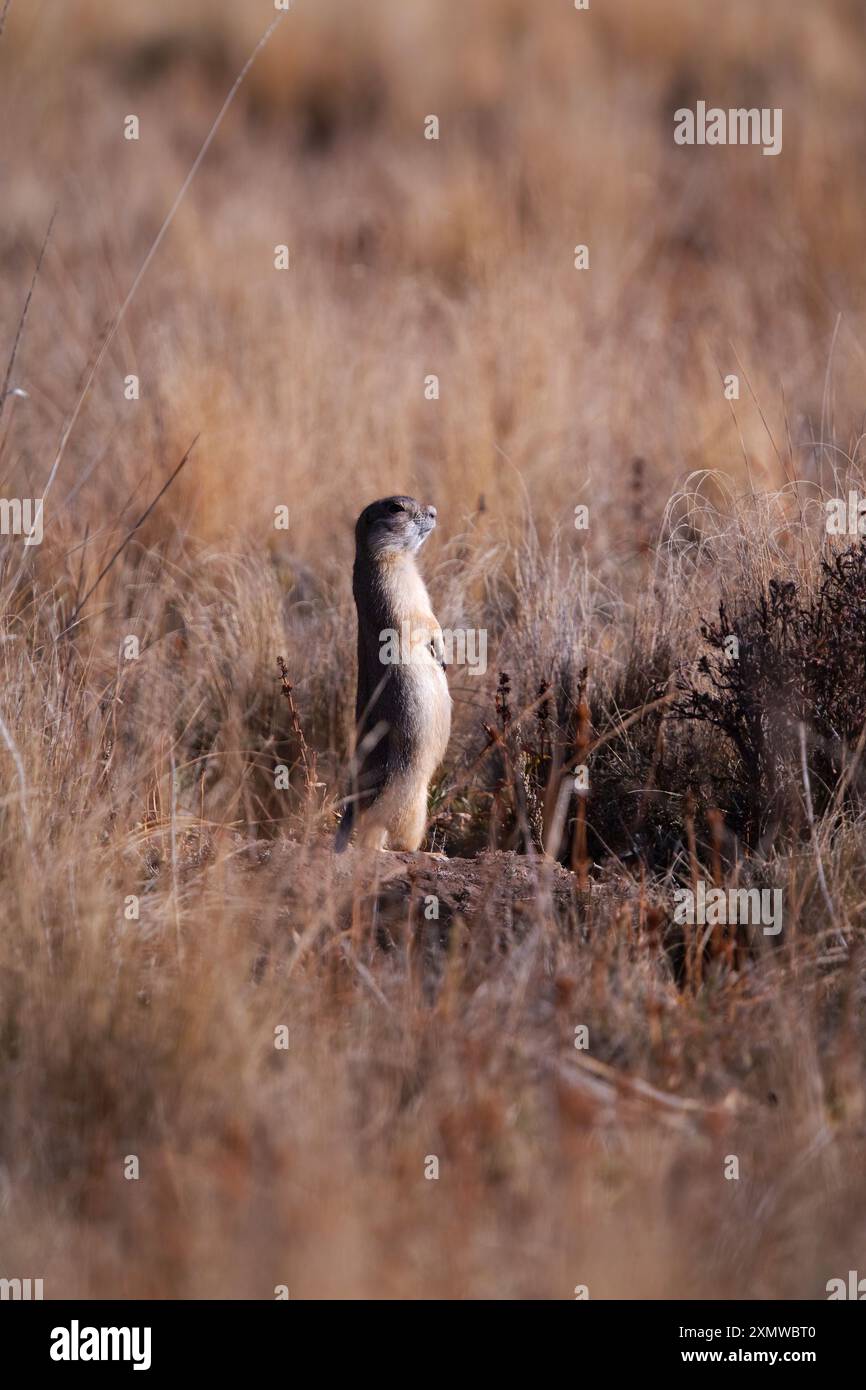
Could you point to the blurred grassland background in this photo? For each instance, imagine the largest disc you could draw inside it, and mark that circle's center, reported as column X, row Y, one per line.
column 558, row 387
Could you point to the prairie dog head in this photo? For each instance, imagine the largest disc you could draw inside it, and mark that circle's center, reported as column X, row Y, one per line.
column 394, row 525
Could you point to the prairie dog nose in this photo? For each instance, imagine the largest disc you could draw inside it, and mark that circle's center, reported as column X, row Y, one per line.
column 431, row 512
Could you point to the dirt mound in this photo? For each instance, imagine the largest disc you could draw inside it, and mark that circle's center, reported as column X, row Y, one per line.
column 393, row 891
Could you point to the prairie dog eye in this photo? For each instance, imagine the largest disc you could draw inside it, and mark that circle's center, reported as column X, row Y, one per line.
column 395, row 507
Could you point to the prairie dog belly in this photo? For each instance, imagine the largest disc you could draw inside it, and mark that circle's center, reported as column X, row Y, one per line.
column 427, row 702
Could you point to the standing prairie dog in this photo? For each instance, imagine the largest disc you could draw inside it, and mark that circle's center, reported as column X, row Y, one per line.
column 403, row 708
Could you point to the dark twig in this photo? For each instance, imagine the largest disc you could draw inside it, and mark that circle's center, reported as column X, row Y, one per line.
column 308, row 759
column 145, row 514
column 4, row 391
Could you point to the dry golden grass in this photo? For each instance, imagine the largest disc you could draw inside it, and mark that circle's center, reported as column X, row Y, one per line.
column 152, row 777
